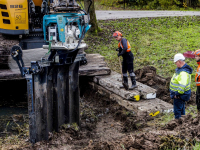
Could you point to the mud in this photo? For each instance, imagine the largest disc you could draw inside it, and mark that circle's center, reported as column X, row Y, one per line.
column 177, row 134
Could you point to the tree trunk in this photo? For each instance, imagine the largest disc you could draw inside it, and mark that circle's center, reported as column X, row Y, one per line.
column 93, row 20
column 189, row 3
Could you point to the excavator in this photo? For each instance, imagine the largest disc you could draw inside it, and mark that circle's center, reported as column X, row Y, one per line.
column 58, row 26
column 27, row 23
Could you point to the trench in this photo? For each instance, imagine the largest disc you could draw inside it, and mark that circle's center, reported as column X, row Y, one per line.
column 101, row 118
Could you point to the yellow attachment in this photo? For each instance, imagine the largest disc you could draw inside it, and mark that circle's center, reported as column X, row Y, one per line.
column 137, row 97
column 37, row 2
column 154, row 114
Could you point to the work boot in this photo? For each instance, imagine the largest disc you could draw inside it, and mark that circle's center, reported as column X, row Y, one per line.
column 125, row 82
column 133, row 83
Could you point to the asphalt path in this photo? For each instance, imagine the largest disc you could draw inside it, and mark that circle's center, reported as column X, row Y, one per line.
column 105, row 15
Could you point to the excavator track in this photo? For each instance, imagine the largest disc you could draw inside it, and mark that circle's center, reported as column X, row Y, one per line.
column 6, row 43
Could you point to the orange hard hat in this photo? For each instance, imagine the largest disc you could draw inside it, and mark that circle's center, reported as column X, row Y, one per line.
column 197, row 52
column 117, row 33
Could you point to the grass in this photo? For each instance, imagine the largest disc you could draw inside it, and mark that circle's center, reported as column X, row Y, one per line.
column 154, row 41
column 197, row 146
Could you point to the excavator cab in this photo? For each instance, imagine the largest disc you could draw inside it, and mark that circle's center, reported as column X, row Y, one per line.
column 25, row 18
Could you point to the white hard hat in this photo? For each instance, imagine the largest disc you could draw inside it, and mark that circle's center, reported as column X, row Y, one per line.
column 178, row 56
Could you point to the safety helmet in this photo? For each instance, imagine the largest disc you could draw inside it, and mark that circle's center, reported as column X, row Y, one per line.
column 178, row 56
column 197, row 52
column 117, row 33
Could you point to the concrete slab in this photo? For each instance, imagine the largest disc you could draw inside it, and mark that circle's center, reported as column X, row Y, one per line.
column 145, row 108
column 113, row 82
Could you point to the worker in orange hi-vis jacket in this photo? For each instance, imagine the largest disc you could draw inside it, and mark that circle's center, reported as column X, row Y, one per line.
column 197, row 80
column 124, row 49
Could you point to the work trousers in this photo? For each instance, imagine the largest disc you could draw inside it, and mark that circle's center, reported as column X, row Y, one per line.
column 198, row 98
column 179, row 108
column 127, row 64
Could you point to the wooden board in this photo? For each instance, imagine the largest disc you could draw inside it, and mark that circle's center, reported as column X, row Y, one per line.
column 140, row 108
column 96, row 65
column 113, row 82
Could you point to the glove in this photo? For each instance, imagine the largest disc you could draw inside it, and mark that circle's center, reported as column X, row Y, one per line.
column 177, row 97
column 117, row 49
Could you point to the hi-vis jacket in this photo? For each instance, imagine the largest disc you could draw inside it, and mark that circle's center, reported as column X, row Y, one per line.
column 197, row 76
column 124, row 46
column 180, row 83
column 124, row 43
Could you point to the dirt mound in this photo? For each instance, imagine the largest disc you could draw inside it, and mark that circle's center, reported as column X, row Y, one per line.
column 186, row 126
column 6, row 43
column 147, row 75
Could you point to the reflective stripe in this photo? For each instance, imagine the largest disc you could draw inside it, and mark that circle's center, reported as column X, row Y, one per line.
column 179, row 85
column 197, row 76
column 184, row 86
column 132, row 74
column 125, row 74
column 176, row 89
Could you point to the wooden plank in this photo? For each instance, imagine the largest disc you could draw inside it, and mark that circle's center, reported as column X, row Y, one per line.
column 96, row 65
column 113, row 82
column 140, row 108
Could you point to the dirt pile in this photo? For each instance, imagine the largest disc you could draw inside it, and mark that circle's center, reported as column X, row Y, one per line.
column 6, row 43
column 187, row 126
column 147, row 75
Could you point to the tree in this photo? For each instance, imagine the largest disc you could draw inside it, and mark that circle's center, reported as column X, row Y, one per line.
column 93, row 20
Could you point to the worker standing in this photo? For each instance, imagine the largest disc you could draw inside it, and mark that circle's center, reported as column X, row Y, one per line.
column 197, row 80
column 124, row 50
column 180, row 90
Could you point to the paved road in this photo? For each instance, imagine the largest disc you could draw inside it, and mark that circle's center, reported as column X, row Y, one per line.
column 103, row 15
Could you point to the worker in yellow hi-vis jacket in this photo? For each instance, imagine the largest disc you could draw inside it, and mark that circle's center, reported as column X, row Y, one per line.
column 180, row 90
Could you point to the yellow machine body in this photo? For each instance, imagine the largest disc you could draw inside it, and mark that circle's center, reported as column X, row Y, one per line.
column 13, row 16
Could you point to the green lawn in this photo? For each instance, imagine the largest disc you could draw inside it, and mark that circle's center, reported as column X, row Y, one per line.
column 154, row 41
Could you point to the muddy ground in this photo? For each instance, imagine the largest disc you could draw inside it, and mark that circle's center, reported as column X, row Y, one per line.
column 107, row 126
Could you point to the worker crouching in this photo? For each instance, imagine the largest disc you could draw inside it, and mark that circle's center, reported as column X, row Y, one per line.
column 124, row 50
column 180, row 90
